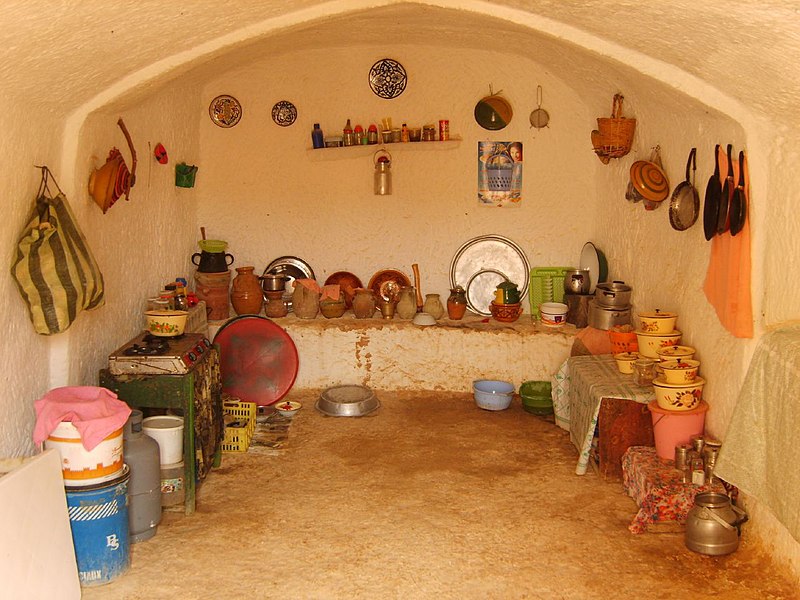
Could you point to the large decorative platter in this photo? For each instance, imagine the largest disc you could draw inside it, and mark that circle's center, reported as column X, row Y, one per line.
column 258, row 359
column 387, row 283
column 485, row 260
column 284, row 113
column 225, row 111
column 387, row 78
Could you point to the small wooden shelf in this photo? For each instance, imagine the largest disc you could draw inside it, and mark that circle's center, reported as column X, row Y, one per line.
column 338, row 153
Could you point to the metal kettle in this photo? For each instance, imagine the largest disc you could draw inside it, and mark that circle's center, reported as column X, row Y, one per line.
column 577, row 281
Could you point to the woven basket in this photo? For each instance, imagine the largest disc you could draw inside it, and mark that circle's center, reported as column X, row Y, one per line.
column 615, row 134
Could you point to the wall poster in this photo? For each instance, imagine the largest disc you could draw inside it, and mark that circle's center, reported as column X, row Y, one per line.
column 499, row 173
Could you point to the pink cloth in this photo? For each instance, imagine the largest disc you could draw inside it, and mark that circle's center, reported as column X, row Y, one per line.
column 94, row 411
column 331, row 291
column 727, row 284
column 310, row 284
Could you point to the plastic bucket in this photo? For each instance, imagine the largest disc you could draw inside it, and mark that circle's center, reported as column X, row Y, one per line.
column 167, row 430
column 672, row 428
column 98, row 516
column 81, row 467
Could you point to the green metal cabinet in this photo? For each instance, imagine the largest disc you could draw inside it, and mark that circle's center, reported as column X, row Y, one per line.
column 197, row 396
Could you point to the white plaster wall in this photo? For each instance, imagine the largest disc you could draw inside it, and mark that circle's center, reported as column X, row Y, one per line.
column 265, row 192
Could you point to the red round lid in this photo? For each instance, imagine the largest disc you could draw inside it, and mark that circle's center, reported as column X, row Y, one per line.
column 258, row 359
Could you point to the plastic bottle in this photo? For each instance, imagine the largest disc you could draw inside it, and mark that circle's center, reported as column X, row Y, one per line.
column 372, row 134
column 144, row 489
column 358, row 135
column 404, row 133
column 317, row 139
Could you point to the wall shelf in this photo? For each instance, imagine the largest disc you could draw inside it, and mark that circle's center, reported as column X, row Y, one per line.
column 322, row 154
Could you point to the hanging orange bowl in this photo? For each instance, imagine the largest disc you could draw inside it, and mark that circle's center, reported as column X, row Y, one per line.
column 650, row 180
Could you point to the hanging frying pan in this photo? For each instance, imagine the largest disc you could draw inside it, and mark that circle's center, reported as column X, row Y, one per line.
column 727, row 195
column 739, row 201
column 684, row 205
column 713, row 193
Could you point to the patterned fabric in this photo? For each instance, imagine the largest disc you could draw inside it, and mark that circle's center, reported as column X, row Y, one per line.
column 657, row 488
column 579, row 386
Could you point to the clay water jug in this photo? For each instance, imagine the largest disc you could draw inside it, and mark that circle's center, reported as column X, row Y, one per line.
column 305, row 302
column 406, row 303
column 363, row 303
column 457, row 303
column 433, row 306
column 246, row 294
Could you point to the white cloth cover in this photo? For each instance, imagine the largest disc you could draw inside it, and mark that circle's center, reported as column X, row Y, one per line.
column 761, row 452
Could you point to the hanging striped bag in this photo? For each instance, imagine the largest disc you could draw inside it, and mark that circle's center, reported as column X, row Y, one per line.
column 54, row 268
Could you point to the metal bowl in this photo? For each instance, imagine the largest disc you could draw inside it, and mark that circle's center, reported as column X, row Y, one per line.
column 347, row 401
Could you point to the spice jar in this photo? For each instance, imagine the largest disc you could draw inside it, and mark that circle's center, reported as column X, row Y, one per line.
column 644, row 371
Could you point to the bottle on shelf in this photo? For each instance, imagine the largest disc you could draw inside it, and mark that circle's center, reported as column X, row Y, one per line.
column 347, row 134
column 372, row 134
column 317, row 138
column 404, row 133
column 358, row 135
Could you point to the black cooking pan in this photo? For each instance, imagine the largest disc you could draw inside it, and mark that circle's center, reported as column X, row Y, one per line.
column 711, row 206
column 723, row 221
column 739, row 201
column 684, row 205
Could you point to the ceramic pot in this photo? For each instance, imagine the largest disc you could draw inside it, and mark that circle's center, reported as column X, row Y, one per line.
column 433, row 306
column 363, row 303
column 406, row 303
column 332, row 309
column 305, row 302
column 274, row 304
column 246, row 294
column 214, row 289
column 212, row 262
column 457, row 303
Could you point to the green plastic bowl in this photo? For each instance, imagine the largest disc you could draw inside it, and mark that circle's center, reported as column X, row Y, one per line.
column 536, row 397
column 212, row 245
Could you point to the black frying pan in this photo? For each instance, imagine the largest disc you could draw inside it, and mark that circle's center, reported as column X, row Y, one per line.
column 739, row 201
column 711, row 206
column 723, row 221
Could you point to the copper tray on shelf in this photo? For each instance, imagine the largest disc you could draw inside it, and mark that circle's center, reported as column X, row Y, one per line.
column 387, row 283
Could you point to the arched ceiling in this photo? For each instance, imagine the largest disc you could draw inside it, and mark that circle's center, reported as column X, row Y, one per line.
column 61, row 55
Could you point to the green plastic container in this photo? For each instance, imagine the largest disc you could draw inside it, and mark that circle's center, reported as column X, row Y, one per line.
column 536, row 397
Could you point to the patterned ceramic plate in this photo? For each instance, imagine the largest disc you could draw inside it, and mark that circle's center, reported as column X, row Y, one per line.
column 387, row 78
column 225, row 111
column 284, row 113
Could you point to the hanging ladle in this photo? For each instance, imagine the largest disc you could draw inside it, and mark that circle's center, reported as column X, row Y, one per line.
column 539, row 117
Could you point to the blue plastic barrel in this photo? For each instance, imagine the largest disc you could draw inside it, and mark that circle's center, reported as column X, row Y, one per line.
column 98, row 515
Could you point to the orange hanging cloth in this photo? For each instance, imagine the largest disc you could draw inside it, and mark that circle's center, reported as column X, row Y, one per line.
column 727, row 284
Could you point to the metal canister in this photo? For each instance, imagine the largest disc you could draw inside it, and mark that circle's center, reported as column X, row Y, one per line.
column 444, row 130
column 428, row 133
column 713, row 525
column 682, row 456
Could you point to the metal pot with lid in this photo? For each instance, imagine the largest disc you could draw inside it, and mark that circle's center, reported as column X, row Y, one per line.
column 614, row 294
column 604, row 317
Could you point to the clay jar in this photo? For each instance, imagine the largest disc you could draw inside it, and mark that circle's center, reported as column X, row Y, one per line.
column 305, row 302
column 406, row 303
column 457, row 303
column 363, row 303
column 246, row 295
column 433, row 306
column 332, row 309
column 274, row 304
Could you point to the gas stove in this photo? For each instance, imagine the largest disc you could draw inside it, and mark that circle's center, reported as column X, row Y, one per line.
column 147, row 354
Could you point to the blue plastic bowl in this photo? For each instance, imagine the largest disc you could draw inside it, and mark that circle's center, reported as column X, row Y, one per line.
column 491, row 394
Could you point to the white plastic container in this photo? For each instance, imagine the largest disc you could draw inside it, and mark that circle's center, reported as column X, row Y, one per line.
column 81, row 467
column 167, row 430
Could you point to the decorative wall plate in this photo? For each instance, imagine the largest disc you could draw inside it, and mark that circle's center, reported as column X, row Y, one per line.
column 387, row 78
column 225, row 111
column 284, row 113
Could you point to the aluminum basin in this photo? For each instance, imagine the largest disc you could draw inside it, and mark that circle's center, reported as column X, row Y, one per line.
column 347, row 401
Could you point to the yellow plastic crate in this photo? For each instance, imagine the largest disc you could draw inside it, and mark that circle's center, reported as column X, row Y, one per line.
column 239, row 432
